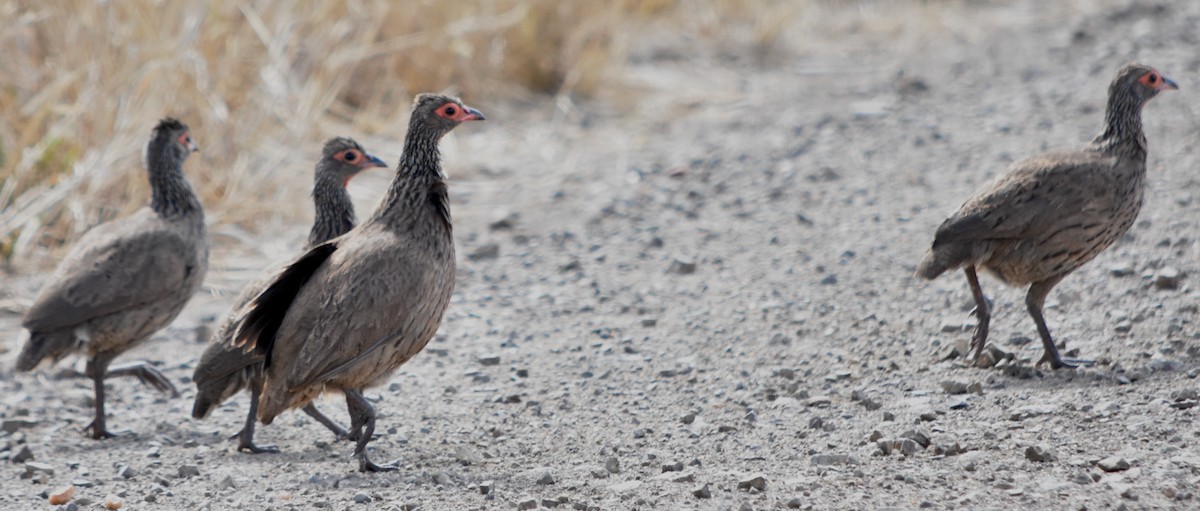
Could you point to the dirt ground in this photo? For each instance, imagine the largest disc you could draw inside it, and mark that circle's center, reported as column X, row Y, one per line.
column 706, row 302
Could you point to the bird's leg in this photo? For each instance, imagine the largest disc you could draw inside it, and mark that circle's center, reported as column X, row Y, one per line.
column 1035, row 299
column 983, row 313
column 363, row 414
column 147, row 374
column 96, row 368
column 245, row 437
column 316, row 414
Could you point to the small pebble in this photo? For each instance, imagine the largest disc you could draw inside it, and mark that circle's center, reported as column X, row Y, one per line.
column 1113, row 464
column 361, row 498
column 1040, row 454
column 113, row 502
column 612, row 465
column 62, row 495
column 756, row 482
column 1167, row 278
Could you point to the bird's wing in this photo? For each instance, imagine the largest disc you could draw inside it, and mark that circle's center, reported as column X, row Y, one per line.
column 259, row 322
column 1034, row 196
column 364, row 303
column 112, row 269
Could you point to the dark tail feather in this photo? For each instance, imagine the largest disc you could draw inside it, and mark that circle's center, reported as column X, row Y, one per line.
column 43, row 345
column 258, row 327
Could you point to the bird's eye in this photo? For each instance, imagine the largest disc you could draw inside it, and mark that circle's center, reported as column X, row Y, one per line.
column 450, row 111
column 351, row 156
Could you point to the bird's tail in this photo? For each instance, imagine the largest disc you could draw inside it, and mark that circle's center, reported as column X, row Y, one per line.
column 42, row 345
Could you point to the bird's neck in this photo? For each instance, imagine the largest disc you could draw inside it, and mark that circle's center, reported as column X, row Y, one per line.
column 419, row 188
column 170, row 193
column 1122, row 128
column 334, row 210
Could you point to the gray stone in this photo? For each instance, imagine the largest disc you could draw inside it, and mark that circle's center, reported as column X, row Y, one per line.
column 917, row 436
column 612, row 465
column 702, row 492
column 33, row 467
column 833, row 459
column 527, row 503
column 22, row 455
column 1168, row 278
column 795, row 503
column 489, row 359
column 683, row 267
column 755, row 481
column 954, row 387
column 484, row 252
column 441, row 478
column 186, row 471
column 361, row 498
column 1113, row 464
column 14, row 425
column 486, row 487
column 546, row 478
column 1040, row 454
column 467, row 455
column 909, row 447
column 127, row 472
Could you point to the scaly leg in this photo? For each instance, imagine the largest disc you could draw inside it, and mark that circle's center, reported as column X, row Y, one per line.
column 363, row 419
column 97, row 366
column 1035, row 299
column 983, row 313
column 246, row 435
column 147, row 374
column 316, row 414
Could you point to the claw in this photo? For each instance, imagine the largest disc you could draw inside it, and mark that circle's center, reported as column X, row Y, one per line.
column 366, row 465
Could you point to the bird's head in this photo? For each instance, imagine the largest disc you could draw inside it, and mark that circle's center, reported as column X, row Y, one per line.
column 440, row 113
column 171, row 139
column 1141, row 81
column 343, row 158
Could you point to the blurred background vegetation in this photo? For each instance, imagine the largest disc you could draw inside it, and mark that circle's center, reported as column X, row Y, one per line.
column 262, row 83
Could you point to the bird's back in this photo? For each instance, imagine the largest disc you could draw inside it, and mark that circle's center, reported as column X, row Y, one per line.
column 374, row 304
column 1045, row 216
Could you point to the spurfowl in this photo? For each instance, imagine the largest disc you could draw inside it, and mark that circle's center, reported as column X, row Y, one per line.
column 224, row 369
column 1048, row 215
column 125, row 279
column 349, row 312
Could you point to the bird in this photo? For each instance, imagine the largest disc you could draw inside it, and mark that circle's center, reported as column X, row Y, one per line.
column 224, row 370
column 1049, row 214
column 125, row 279
column 352, row 310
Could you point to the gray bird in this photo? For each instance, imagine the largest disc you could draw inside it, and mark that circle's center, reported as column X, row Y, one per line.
column 126, row 279
column 349, row 312
column 1048, row 215
column 224, row 370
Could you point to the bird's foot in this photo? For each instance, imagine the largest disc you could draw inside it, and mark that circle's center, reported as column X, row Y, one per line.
column 100, row 432
column 246, row 444
column 366, row 465
column 251, row 448
column 148, row 375
column 1057, row 362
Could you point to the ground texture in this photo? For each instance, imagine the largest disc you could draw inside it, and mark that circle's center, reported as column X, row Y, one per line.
column 705, row 301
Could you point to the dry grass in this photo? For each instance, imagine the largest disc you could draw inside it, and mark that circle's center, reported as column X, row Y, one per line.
column 263, row 82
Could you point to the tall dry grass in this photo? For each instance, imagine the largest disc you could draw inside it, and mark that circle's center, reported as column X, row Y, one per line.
column 262, row 82
column 81, row 83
